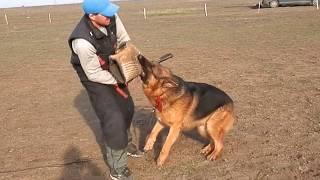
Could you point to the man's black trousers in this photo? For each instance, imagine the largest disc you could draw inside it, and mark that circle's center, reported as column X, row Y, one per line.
column 114, row 111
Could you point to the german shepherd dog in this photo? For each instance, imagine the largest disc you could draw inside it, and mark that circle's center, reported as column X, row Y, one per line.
column 184, row 106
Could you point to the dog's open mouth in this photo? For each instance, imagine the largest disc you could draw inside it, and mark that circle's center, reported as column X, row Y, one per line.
column 144, row 76
column 144, row 65
column 147, row 65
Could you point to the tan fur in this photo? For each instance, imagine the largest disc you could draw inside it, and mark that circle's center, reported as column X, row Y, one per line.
column 177, row 113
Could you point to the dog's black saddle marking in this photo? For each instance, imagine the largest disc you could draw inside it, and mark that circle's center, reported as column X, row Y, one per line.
column 210, row 98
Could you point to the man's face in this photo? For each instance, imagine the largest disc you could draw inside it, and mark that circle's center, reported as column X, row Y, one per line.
column 99, row 20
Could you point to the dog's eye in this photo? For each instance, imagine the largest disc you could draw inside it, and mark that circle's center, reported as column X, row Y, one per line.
column 169, row 84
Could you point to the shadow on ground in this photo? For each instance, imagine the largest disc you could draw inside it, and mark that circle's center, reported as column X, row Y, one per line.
column 142, row 124
column 76, row 167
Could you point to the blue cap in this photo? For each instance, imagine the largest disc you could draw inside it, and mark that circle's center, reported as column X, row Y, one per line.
column 103, row 7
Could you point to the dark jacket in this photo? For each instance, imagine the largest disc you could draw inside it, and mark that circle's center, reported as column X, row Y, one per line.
column 105, row 45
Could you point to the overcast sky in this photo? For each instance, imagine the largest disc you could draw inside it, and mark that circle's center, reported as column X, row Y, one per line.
column 19, row 3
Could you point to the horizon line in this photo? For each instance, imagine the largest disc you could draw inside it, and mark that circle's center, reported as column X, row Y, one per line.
column 20, row 4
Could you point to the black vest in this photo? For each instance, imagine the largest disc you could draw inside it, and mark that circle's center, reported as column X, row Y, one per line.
column 105, row 45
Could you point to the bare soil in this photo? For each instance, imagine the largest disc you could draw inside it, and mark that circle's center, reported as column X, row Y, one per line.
column 267, row 60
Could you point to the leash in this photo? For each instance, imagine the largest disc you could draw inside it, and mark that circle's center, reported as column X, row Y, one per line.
column 120, row 91
column 104, row 66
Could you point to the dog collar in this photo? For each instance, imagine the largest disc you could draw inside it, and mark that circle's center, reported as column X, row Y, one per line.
column 159, row 104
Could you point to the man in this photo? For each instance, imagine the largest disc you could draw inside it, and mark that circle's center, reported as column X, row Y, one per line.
column 93, row 40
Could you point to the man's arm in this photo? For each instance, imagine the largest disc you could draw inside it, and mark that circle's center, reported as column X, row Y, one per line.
column 122, row 35
column 90, row 62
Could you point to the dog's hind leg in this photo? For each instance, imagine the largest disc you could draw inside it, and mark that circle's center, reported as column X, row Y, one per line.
column 216, row 146
column 209, row 147
column 217, row 126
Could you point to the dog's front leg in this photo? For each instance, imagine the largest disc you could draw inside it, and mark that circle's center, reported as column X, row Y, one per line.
column 173, row 135
column 153, row 136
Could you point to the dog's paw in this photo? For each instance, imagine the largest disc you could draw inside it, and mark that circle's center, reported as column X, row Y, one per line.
column 149, row 145
column 147, row 148
column 206, row 150
column 212, row 157
column 160, row 161
column 162, row 158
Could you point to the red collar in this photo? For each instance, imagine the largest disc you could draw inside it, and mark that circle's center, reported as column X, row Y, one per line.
column 159, row 103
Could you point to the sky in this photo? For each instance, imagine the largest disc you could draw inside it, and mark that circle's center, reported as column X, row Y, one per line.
column 20, row 3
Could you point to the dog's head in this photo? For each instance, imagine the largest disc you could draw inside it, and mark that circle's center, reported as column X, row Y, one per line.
column 155, row 76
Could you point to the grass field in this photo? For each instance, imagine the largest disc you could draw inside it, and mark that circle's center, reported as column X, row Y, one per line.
column 268, row 61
